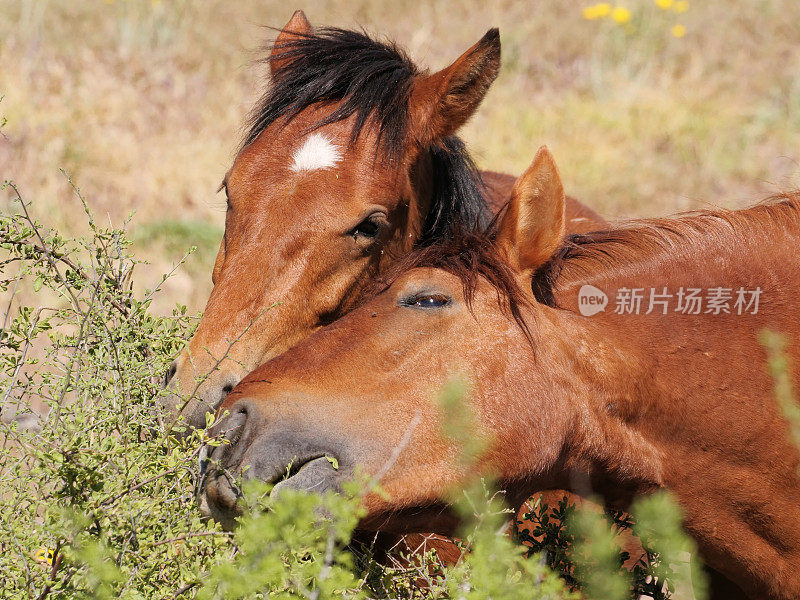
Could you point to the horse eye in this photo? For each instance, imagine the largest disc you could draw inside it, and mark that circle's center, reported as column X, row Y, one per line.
column 428, row 301
column 369, row 228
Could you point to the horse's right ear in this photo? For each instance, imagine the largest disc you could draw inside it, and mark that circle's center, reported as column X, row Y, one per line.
column 532, row 228
column 442, row 102
column 297, row 27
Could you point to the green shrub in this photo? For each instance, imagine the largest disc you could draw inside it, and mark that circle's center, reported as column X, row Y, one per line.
column 97, row 489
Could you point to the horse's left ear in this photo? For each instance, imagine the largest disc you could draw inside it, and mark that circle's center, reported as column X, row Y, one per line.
column 297, row 27
column 442, row 102
column 532, row 228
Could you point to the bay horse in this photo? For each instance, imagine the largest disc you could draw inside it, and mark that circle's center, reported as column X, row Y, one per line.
column 350, row 162
column 626, row 402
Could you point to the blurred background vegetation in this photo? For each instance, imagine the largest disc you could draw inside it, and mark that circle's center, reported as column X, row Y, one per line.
column 650, row 106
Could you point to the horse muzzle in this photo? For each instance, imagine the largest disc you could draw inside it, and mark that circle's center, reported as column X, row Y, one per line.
column 281, row 454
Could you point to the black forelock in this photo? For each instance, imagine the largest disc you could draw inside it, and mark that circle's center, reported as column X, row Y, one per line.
column 371, row 79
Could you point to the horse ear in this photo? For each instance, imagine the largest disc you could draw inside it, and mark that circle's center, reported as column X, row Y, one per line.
column 297, row 27
column 532, row 228
column 442, row 102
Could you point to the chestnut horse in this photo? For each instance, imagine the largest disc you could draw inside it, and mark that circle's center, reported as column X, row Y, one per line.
column 624, row 401
column 348, row 164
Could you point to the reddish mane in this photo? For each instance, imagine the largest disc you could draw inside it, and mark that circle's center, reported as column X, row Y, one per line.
column 657, row 242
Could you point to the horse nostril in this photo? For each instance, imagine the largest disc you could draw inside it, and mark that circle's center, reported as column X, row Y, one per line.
column 233, row 426
column 223, row 393
column 173, row 368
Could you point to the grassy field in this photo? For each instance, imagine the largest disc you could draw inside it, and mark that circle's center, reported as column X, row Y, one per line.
column 142, row 102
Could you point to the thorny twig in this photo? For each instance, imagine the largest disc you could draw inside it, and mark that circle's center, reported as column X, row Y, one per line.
column 53, row 257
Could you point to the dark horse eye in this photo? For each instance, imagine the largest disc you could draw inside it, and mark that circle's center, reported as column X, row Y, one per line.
column 368, row 228
column 427, row 301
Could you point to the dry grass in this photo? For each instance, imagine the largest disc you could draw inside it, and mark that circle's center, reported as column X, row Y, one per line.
column 142, row 102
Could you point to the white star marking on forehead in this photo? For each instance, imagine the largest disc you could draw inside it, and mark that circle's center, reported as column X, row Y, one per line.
column 318, row 152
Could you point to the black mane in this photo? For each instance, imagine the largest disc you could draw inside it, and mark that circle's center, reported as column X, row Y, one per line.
column 458, row 193
column 372, row 80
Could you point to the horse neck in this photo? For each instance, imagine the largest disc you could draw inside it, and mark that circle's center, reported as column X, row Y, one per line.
column 632, row 377
column 683, row 362
column 667, row 339
column 585, row 382
column 694, row 396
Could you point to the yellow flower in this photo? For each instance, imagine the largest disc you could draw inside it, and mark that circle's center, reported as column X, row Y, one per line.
column 44, row 555
column 597, row 11
column 603, row 9
column 678, row 31
column 664, row 4
column 621, row 14
column 681, row 6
